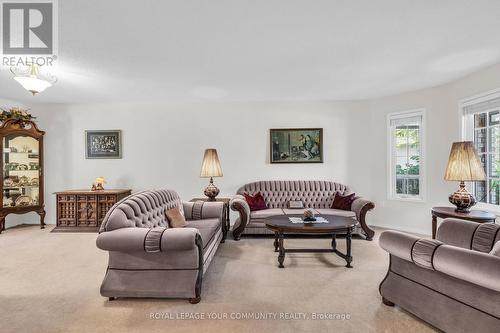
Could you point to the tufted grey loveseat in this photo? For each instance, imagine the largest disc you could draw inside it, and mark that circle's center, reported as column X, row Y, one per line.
column 149, row 259
column 315, row 194
column 451, row 282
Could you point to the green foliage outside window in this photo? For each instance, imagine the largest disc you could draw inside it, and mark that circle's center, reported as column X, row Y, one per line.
column 407, row 137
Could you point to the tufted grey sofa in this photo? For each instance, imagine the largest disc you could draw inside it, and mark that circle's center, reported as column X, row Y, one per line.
column 451, row 282
column 317, row 195
column 149, row 259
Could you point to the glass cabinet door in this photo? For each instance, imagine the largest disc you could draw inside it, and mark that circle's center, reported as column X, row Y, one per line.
column 21, row 171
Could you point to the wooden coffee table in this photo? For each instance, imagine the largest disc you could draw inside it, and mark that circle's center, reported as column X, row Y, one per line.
column 280, row 224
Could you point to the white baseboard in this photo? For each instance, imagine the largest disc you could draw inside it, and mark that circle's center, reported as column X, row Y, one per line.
column 419, row 231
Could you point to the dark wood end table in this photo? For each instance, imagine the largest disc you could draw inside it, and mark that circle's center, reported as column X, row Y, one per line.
column 226, row 222
column 479, row 216
column 281, row 224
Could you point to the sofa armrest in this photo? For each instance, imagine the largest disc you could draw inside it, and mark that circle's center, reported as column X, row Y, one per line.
column 476, row 267
column 457, row 232
column 148, row 240
column 362, row 206
column 398, row 243
column 239, row 204
column 200, row 210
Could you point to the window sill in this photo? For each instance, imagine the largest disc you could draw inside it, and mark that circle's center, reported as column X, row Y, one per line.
column 410, row 199
column 495, row 209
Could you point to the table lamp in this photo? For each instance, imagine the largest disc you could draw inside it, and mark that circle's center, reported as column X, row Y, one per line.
column 463, row 165
column 211, row 168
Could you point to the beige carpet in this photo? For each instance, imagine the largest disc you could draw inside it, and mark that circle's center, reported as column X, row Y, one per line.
column 49, row 282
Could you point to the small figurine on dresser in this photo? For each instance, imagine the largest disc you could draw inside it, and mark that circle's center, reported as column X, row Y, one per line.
column 98, row 184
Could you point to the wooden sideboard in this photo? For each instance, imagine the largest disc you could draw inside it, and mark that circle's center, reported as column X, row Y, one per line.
column 84, row 210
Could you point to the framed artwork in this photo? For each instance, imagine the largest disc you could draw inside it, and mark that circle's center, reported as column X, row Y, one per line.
column 103, row 144
column 296, row 145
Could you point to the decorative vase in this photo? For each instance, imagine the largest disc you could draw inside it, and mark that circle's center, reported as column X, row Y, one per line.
column 309, row 215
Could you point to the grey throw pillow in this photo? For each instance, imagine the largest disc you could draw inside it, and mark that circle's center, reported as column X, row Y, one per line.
column 496, row 249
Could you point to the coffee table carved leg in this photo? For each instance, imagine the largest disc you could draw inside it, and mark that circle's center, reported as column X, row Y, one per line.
column 348, row 239
column 281, row 255
column 276, row 244
column 334, row 242
column 434, row 226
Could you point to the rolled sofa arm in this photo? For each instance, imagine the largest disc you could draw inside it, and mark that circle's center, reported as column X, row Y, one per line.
column 148, row 240
column 398, row 243
column 239, row 204
column 199, row 210
column 472, row 266
column 362, row 206
column 457, row 232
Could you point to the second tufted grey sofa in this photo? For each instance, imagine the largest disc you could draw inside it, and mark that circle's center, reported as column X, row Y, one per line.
column 315, row 194
column 149, row 259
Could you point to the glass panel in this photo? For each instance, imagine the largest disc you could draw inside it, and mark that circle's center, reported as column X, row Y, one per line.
column 482, row 159
column 494, row 118
column 495, row 191
column 21, row 171
column 413, row 186
column 480, row 191
column 414, row 165
column 480, row 120
column 407, row 159
column 480, row 140
column 494, row 165
column 401, row 186
column 401, row 165
column 401, row 134
column 495, row 140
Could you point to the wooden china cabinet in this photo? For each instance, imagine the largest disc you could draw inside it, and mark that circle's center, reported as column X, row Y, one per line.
column 22, row 169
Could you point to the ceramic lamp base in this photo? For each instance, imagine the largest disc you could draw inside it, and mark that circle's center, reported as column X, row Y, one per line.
column 211, row 191
column 463, row 199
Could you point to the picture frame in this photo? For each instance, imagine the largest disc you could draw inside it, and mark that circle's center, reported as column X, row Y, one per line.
column 296, row 145
column 103, row 144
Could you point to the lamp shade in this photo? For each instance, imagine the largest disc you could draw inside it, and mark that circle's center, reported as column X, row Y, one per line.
column 211, row 164
column 464, row 163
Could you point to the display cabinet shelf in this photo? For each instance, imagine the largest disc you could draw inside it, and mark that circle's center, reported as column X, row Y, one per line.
column 22, row 165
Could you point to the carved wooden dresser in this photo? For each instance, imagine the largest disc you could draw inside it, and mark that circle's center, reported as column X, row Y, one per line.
column 84, row 210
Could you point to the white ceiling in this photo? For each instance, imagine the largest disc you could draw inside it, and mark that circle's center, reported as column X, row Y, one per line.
column 231, row 50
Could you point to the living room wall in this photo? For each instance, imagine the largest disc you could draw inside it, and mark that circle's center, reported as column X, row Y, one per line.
column 163, row 144
column 442, row 128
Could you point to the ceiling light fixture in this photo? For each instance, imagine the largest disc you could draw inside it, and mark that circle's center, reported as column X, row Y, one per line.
column 31, row 79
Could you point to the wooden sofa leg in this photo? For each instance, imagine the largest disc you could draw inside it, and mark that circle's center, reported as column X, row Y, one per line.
column 387, row 302
column 111, row 298
column 195, row 300
column 362, row 221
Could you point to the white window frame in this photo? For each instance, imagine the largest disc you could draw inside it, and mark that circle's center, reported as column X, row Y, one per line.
column 467, row 134
column 391, row 166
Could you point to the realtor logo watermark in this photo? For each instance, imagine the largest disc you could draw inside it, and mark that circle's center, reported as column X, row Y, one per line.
column 29, row 32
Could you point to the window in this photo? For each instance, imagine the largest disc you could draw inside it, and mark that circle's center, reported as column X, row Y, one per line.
column 406, row 134
column 482, row 126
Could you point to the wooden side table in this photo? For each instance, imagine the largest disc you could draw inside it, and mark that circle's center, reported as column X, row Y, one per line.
column 479, row 216
column 226, row 223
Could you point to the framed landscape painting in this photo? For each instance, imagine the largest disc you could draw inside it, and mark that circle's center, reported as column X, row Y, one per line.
column 103, row 144
column 297, row 145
